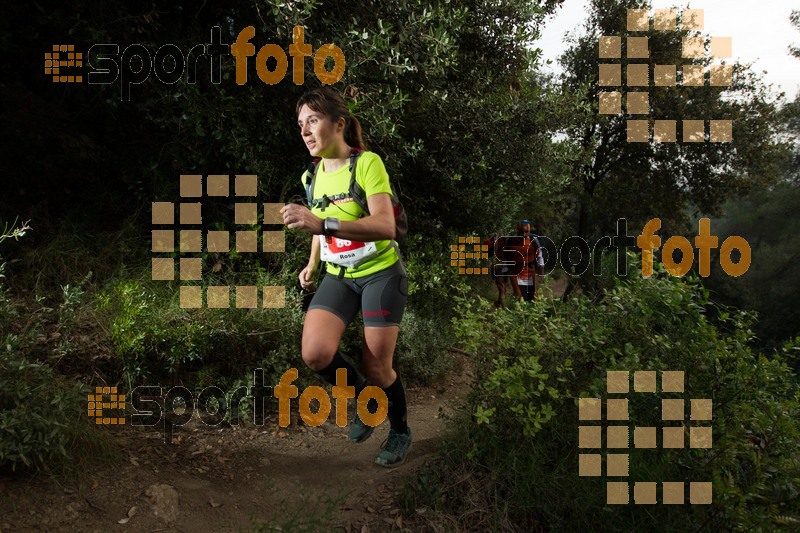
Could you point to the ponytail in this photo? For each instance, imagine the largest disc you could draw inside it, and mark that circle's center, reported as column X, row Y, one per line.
column 329, row 102
column 352, row 133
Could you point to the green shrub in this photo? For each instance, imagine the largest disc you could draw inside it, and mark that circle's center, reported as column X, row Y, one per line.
column 44, row 426
column 155, row 338
column 421, row 353
column 519, row 427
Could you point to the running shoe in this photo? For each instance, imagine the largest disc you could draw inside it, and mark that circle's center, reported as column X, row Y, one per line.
column 358, row 430
column 394, row 449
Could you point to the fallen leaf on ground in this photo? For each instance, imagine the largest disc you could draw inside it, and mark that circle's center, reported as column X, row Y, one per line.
column 213, row 503
column 132, row 511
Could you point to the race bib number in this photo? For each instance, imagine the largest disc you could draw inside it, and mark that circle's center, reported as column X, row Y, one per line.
column 345, row 253
column 524, row 281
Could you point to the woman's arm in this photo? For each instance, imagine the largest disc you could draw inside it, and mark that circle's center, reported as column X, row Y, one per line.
column 306, row 276
column 379, row 225
column 313, row 259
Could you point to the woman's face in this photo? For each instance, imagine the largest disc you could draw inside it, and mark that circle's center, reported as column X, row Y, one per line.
column 321, row 135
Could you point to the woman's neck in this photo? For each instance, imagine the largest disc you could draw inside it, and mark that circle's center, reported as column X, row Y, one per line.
column 336, row 160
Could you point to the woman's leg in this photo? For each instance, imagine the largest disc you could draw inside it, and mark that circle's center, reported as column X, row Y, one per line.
column 322, row 332
column 383, row 302
column 334, row 306
column 379, row 344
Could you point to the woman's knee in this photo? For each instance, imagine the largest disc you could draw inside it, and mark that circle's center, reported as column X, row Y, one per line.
column 317, row 356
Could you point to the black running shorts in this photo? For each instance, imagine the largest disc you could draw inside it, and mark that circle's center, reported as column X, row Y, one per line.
column 381, row 296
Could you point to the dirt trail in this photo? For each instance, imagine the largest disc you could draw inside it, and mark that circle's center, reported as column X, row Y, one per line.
column 240, row 479
column 236, row 479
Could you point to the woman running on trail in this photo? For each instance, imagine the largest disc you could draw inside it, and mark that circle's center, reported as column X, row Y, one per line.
column 364, row 270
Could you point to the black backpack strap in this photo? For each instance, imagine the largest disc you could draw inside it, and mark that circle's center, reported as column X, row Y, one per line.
column 311, row 179
column 356, row 191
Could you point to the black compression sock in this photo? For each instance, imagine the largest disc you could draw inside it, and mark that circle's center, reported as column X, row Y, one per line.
column 354, row 377
column 396, row 395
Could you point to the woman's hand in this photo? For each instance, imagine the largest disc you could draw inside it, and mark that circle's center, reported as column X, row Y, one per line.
column 297, row 216
column 307, row 277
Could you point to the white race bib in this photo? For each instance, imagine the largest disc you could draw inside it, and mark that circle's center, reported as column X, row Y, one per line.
column 344, row 252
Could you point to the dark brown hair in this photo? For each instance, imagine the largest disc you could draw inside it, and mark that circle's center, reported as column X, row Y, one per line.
column 330, row 103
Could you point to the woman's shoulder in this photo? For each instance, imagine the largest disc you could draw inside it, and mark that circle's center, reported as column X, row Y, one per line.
column 369, row 156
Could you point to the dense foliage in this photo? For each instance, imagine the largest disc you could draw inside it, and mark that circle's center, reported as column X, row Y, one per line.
column 519, row 427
